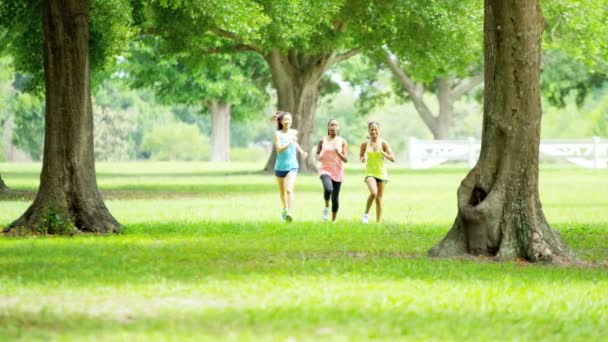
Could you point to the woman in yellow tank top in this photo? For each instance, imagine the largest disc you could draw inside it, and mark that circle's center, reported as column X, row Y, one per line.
column 373, row 153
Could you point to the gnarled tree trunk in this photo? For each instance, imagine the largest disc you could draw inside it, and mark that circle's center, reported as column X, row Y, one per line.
column 68, row 187
column 499, row 209
column 220, row 131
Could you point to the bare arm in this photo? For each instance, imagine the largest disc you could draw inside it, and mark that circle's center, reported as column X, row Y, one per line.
column 319, row 147
column 277, row 143
column 362, row 153
column 343, row 154
column 387, row 151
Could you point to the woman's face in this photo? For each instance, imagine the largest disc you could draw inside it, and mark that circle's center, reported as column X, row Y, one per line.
column 373, row 130
column 333, row 127
column 286, row 121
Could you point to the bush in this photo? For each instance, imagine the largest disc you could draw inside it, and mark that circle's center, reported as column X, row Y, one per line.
column 175, row 141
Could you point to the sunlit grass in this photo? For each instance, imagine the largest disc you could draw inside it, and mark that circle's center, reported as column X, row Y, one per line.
column 205, row 255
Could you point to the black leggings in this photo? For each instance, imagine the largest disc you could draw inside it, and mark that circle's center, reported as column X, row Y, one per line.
column 331, row 188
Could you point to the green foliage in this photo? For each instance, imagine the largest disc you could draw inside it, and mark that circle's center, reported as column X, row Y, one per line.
column 431, row 38
column 239, row 79
column 21, row 21
column 175, row 141
column 55, row 221
column 369, row 79
column 563, row 75
column 578, row 28
column 28, row 135
column 598, row 112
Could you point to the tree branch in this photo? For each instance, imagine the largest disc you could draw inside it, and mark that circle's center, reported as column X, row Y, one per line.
column 240, row 41
column 466, row 85
column 229, row 49
column 343, row 56
column 415, row 91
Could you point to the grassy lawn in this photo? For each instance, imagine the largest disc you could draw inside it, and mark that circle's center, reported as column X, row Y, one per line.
column 204, row 255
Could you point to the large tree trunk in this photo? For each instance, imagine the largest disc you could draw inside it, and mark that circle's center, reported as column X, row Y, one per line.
column 220, row 131
column 297, row 79
column 449, row 91
column 68, row 188
column 499, row 210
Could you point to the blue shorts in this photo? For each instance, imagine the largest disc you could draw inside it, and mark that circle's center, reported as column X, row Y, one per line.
column 283, row 174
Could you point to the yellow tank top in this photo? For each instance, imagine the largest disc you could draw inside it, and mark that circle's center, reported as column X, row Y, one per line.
column 375, row 163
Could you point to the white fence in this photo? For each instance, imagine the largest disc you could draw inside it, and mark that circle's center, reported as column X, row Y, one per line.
column 589, row 153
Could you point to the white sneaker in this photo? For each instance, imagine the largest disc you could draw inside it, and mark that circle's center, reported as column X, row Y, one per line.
column 365, row 219
column 325, row 214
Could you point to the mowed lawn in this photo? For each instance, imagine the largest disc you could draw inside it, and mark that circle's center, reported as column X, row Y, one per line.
column 204, row 255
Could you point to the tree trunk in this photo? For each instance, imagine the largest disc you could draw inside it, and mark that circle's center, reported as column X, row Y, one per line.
column 446, row 100
column 3, row 186
column 220, row 131
column 68, row 197
column 297, row 79
column 499, row 209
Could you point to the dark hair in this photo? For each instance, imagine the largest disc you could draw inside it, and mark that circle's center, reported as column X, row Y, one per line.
column 280, row 118
column 328, row 122
column 369, row 124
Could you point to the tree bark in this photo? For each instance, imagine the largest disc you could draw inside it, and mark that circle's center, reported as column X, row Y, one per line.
column 499, row 209
column 68, row 188
column 449, row 91
column 297, row 79
column 220, row 131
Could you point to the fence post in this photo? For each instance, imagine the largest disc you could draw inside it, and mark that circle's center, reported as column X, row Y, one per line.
column 472, row 160
column 411, row 153
column 596, row 152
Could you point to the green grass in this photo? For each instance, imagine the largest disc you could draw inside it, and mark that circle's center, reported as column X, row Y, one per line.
column 205, row 256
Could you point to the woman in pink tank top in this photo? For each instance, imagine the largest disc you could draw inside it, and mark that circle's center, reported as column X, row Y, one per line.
column 332, row 154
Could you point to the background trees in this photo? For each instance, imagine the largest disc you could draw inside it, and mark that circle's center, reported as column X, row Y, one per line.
column 227, row 87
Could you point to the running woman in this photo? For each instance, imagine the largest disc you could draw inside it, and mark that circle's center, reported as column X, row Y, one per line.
column 332, row 154
column 373, row 153
column 286, row 165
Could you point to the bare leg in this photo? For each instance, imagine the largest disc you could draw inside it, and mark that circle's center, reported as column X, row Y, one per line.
column 281, row 182
column 373, row 191
column 290, row 181
column 379, row 202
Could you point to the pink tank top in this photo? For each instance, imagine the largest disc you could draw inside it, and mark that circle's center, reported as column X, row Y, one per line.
column 329, row 160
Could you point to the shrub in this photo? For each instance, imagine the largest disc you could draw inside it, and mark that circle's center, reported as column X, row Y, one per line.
column 175, row 141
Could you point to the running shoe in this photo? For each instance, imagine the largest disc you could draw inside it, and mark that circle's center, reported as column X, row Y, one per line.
column 325, row 214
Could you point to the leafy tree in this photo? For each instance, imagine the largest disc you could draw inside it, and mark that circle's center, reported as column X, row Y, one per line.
column 454, row 71
column 499, row 209
column 57, row 34
column 228, row 87
column 298, row 40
